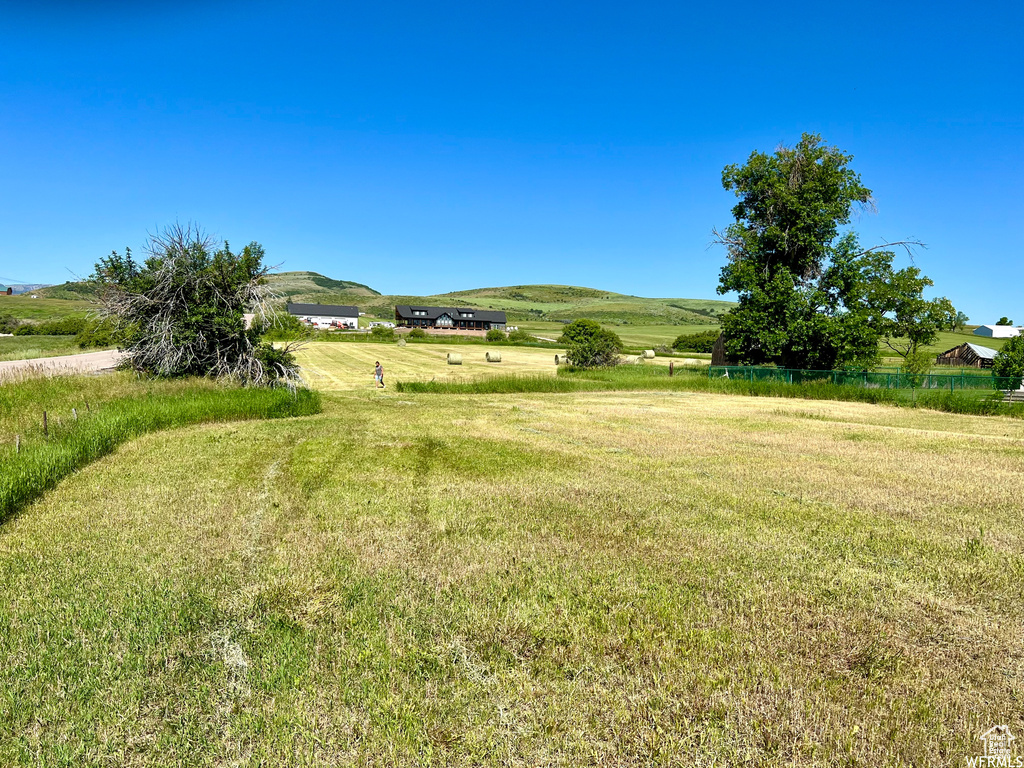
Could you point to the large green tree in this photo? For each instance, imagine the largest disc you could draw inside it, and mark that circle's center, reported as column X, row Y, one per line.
column 1009, row 362
column 809, row 295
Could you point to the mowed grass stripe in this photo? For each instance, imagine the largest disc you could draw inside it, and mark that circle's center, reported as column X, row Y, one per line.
column 588, row 579
column 342, row 366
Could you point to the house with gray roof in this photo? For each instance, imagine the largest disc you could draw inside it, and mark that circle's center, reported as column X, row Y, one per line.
column 449, row 318
column 326, row 315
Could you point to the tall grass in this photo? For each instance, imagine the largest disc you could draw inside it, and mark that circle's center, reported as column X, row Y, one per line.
column 72, row 443
column 695, row 379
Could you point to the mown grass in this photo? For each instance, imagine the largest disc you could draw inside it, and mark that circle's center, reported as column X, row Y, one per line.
column 695, row 379
column 596, row 578
column 46, row 453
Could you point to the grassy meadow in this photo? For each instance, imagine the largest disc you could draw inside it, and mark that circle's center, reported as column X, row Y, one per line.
column 59, row 430
column 606, row 578
column 24, row 307
column 331, row 366
column 32, row 347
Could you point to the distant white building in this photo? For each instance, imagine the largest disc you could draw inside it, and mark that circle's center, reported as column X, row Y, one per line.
column 381, row 323
column 326, row 315
column 997, row 331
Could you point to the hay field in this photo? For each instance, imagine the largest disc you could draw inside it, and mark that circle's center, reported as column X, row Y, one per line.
column 339, row 366
column 601, row 579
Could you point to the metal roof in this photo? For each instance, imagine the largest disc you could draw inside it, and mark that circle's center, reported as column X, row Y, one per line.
column 323, row 310
column 983, row 352
column 456, row 313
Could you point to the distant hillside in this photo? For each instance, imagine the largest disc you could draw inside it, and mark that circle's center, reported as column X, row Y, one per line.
column 303, row 286
column 522, row 303
column 569, row 302
column 71, row 291
column 552, row 302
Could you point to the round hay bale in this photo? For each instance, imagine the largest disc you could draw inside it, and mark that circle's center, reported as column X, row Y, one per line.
column 401, row 342
column 648, row 354
column 560, row 360
column 493, row 357
column 454, row 358
column 634, row 360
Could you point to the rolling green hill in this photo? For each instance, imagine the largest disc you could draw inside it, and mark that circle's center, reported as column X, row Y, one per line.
column 525, row 303
column 303, row 285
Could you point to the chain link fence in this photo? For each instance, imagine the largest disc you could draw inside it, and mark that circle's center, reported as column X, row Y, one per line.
column 871, row 379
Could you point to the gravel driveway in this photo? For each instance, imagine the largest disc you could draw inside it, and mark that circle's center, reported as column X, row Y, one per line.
column 90, row 362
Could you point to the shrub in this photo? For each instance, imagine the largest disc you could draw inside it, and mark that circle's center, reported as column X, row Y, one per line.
column 286, row 327
column 98, row 333
column 1010, row 361
column 65, row 326
column 382, row 333
column 519, row 337
column 496, row 335
column 9, row 323
column 417, row 333
column 588, row 345
column 696, row 342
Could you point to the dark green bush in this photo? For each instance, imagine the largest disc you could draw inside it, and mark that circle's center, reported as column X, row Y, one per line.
column 496, row 335
column 65, row 326
column 98, row 333
column 696, row 342
column 285, row 327
column 9, row 323
column 1010, row 361
column 417, row 333
column 520, row 337
column 588, row 345
column 382, row 333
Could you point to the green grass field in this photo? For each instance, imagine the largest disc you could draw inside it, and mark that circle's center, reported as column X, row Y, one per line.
column 540, row 303
column 337, row 366
column 32, row 347
column 615, row 578
column 24, row 307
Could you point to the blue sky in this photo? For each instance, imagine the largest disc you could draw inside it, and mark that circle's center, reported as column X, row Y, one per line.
column 426, row 147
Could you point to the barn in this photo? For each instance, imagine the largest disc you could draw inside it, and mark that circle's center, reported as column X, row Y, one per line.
column 967, row 356
column 326, row 315
column 997, row 331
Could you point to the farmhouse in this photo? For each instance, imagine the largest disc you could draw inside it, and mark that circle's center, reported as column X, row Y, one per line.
column 449, row 318
column 967, row 356
column 997, row 331
column 326, row 315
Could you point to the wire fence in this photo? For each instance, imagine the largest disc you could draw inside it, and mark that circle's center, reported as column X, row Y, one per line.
column 870, row 379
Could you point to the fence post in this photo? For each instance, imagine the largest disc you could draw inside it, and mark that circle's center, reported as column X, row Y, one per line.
column 46, row 429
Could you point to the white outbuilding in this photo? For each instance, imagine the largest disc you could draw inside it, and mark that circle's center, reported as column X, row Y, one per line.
column 326, row 315
column 997, row 331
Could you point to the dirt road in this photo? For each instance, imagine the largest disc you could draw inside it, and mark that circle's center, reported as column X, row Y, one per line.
column 90, row 362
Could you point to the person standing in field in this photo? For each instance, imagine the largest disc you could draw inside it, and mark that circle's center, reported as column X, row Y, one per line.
column 378, row 375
